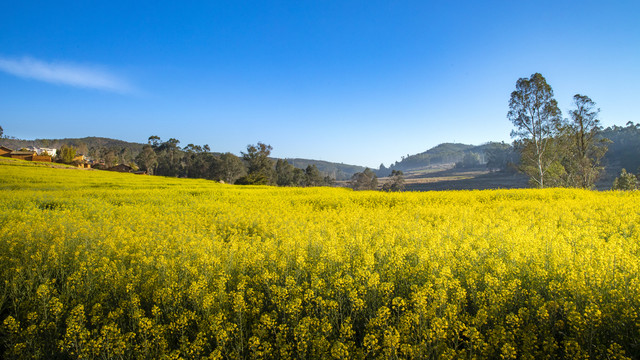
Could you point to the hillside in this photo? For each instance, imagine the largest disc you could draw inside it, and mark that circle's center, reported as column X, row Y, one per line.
column 440, row 154
column 624, row 149
column 451, row 153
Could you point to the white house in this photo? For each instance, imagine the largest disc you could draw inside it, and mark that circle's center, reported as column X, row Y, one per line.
column 41, row 151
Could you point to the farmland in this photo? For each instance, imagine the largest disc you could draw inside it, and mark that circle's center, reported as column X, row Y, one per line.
column 107, row 265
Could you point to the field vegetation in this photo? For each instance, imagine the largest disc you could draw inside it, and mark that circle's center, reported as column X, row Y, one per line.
column 100, row 265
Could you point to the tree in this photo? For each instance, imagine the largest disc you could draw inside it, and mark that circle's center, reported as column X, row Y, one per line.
column 66, row 154
column 500, row 156
column 230, row 168
column 299, row 177
column 285, row 173
column 537, row 118
column 626, row 181
column 586, row 148
column 313, row 177
column 260, row 167
column 329, row 180
column 82, row 148
column 1, row 132
column 366, row 180
column 169, row 156
column 396, row 181
column 110, row 157
column 469, row 160
column 147, row 159
column 154, row 141
column 197, row 161
column 126, row 156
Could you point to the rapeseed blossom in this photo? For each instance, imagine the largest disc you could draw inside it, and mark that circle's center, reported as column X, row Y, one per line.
column 106, row 265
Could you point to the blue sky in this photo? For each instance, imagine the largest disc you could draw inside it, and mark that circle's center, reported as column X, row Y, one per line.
column 359, row 82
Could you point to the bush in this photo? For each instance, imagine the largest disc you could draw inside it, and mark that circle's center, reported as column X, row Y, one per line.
column 626, row 181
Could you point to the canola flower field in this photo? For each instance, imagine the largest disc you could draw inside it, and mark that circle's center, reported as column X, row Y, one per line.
column 98, row 265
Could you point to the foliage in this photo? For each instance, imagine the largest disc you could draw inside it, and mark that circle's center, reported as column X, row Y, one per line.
column 169, row 155
column 286, row 174
column 366, row 180
column 313, row 177
column 469, row 160
column 501, row 156
column 584, row 148
column 198, row 162
column 230, row 168
column 535, row 114
column 147, row 159
column 109, row 156
column 66, row 154
column 626, row 181
column 106, row 265
column 260, row 167
column 624, row 147
column 396, row 181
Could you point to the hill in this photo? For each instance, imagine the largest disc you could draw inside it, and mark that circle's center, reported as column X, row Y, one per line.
column 450, row 154
column 440, row 154
column 90, row 145
column 624, row 150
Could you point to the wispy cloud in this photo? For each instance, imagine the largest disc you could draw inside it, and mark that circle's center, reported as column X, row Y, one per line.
column 64, row 73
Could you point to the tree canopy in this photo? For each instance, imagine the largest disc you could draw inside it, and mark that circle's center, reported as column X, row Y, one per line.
column 366, row 180
column 259, row 166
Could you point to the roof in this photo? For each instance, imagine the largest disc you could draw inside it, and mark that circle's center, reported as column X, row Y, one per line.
column 120, row 166
column 5, row 148
column 19, row 152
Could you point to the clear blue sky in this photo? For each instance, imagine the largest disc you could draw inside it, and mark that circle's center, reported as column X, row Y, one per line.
column 360, row 82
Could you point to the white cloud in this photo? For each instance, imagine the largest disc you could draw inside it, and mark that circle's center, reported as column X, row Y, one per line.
column 65, row 73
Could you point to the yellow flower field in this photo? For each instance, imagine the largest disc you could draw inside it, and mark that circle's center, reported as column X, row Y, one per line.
column 99, row 265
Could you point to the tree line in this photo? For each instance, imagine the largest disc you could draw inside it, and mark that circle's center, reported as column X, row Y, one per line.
column 253, row 167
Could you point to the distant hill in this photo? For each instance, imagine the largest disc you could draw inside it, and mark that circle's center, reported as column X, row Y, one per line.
column 624, row 152
column 85, row 144
column 446, row 153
